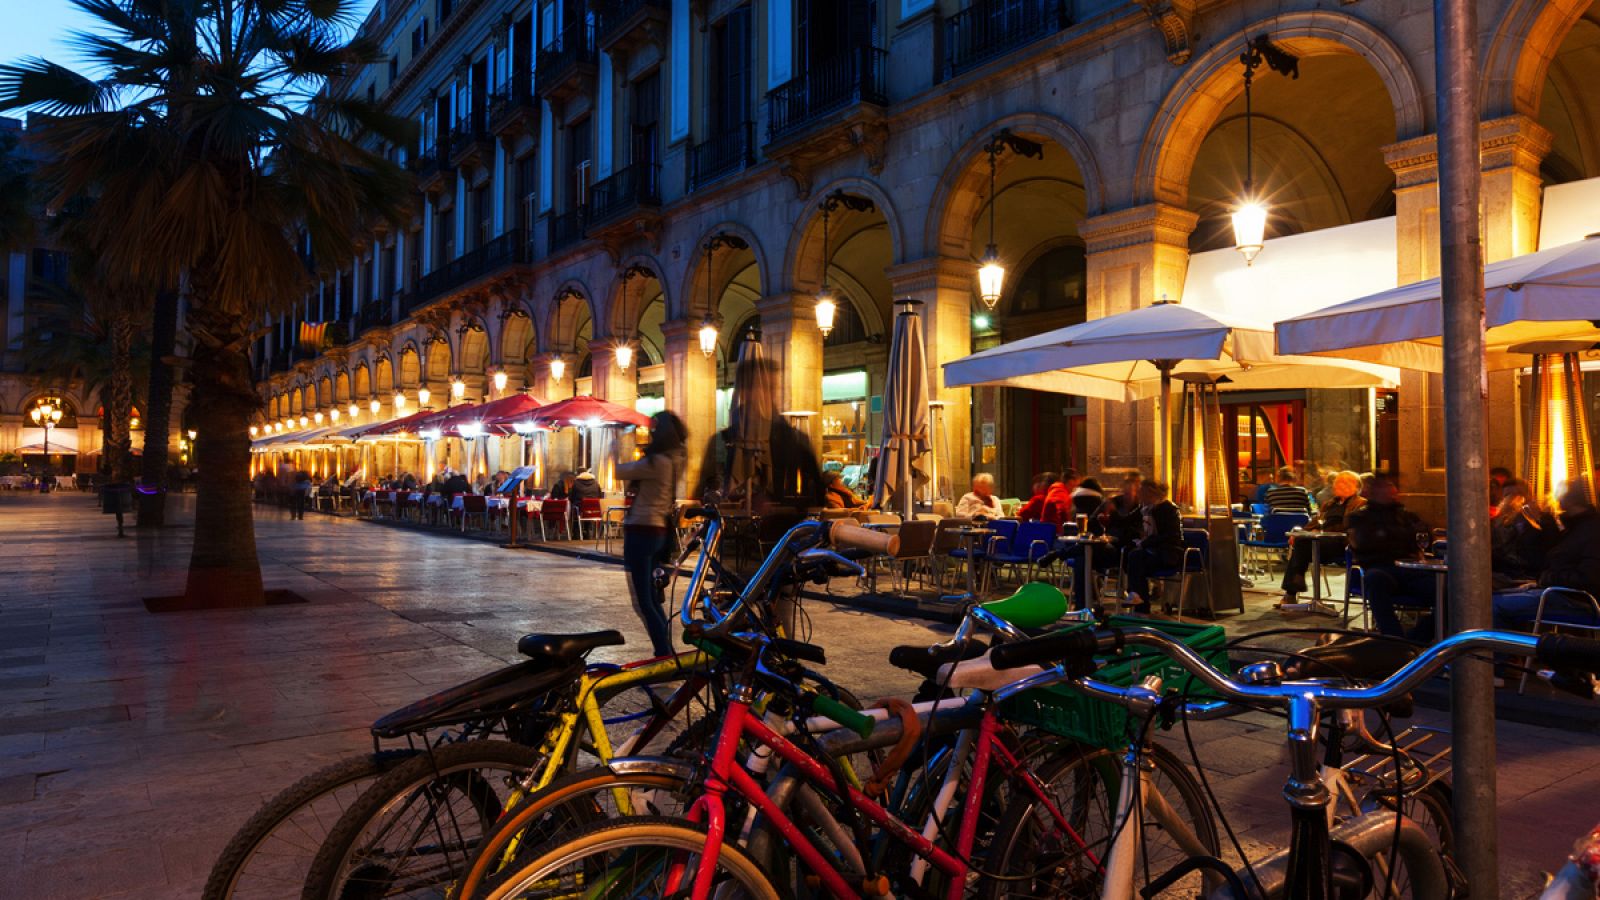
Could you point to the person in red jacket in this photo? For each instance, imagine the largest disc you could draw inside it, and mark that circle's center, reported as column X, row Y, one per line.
column 1052, row 498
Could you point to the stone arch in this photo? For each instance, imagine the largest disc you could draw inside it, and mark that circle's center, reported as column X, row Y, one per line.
column 324, row 391
column 518, row 340
column 341, row 387
column 439, row 364
column 408, row 371
column 628, row 299
column 1520, row 53
column 1211, row 81
column 361, row 385
column 692, row 296
column 471, row 356
column 570, row 308
column 802, row 264
column 383, row 375
column 963, row 186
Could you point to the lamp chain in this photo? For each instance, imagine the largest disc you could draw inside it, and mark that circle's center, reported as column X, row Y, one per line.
column 994, row 151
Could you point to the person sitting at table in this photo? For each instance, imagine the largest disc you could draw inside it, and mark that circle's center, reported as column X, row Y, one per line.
column 563, row 486
column 1573, row 561
column 1287, row 495
column 1159, row 546
column 1121, row 517
column 1382, row 533
column 1499, row 477
column 1520, row 536
column 1264, row 483
column 980, row 502
column 1052, row 499
column 1344, row 499
column 584, row 487
column 455, row 483
column 408, row 481
column 1086, row 499
column 839, row 496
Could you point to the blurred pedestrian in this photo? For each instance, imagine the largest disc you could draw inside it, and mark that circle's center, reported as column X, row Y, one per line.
column 648, row 526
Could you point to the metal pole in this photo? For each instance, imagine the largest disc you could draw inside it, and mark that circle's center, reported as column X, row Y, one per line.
column 1164, row 422
column 1455, row 25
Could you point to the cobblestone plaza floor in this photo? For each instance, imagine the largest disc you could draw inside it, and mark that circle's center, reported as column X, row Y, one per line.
column 132, row 744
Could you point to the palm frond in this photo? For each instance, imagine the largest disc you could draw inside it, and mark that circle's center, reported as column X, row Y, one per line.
column 36, row 83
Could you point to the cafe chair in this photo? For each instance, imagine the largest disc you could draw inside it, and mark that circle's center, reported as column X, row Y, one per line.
column 1573, row 602
column 915, row 552
column 1032, row 540
column 553, row 513
column 474, row 505
column 1196, row 557
column 1352, row 590
column 1274, row 535
column 946, row 542
column 591, row 513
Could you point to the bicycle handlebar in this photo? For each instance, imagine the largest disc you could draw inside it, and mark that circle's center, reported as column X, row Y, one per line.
column 853, row 537
column 1078, row 648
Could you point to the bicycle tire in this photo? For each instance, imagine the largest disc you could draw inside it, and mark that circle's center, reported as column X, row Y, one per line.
column 228, row 873
column 1012, row 857
column 449, row 767
column 663, row 833
column 1432, row 809
column 563, row 796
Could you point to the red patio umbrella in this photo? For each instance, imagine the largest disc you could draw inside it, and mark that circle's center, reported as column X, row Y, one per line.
column 492, row 415
column 582, row 411
column 406, row 425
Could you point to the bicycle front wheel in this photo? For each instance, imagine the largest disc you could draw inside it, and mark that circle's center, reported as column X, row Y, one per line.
column 642, row 857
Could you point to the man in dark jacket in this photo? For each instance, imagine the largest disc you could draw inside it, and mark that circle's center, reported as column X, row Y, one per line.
column 1160, row 547
column 1381, row 533
column 1574, row 562
column 457, row 483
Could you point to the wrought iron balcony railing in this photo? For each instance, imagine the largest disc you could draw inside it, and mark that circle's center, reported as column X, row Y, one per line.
column 630, row 188
column 566, row 229
column 506, row 250
column 855, row 76
column 721, row 154
column 571, row 49
column 615, row 16
column 988, row 29
column 376, row 314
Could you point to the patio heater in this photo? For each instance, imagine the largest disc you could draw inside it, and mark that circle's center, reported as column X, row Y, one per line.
column 1203, row 488
column 939, row 444
column 1558, row 456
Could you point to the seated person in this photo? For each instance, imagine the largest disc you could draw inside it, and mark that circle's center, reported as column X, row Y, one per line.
column 1086, row 499
column 455, row 483
column 1381, row 533
column 1052, row 499
column 980, row 502
column 1287, row 495
column 1521, row 535
column 1572, row 562
column 1160, row 547
column 563, row 486
column 1120, row 517
column 839, row 496
column 584, row 487
column 1345, row 499
column 1031, row 510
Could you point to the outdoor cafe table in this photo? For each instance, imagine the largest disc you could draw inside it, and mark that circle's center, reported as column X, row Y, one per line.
column 1088, row 543
column 1439, row 570
column 970, row 535
column 1316, row 605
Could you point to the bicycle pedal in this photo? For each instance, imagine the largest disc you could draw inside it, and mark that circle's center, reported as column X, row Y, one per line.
column 875, row 887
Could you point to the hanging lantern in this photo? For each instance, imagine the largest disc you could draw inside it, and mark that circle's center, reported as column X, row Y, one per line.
column 708, row 337
column 827, row 309
column 558, row 367
column 304, row 421
column 1250, row 216
column 354, row 410
column 1558, row 457
column 399, row 401
column 423, row 396
column 317, row 417
column 375, row 405
column 254, row 430
column 333, row 415
column 623, row 352
column 500, row 379
column 991, row 277
column 1249, row 229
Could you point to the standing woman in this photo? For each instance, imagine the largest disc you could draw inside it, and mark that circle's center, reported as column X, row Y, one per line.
column 654, row 481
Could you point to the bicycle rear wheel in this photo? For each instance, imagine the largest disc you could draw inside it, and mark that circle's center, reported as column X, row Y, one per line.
column 643, row 857
column 412, row 832
column 269, row 856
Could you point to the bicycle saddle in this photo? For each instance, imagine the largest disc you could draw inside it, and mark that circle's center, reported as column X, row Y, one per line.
column 1356, row 657
column 1033, row 605
column 925, row 661
column 567, row 647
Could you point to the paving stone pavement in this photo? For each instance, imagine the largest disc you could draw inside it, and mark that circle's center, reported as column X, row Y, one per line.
column 132, row 744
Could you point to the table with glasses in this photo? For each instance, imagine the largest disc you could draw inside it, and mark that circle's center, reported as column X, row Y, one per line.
column 1316, row 605
column 970, row 536
column 1088, row 542
column 1440, row 572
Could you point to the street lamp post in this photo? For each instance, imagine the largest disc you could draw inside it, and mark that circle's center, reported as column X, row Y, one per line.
column 46, row 415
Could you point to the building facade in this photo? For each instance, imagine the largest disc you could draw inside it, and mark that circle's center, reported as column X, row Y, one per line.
column 622, row 172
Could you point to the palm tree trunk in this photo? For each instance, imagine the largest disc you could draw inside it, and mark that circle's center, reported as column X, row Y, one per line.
column 158, row 417
column 119, row 397
column 224, row 570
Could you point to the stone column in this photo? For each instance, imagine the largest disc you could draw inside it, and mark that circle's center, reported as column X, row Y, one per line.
column 563, row 444
column 792, row 341
column 617, row 386
column 944, row 285
column 691, row 385
column 1135, row 257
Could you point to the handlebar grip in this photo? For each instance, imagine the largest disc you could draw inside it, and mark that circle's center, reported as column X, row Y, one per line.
column 800, row 650
column 848, row 536
column 844, row 715
column 1075, row 647
column 1562, row 651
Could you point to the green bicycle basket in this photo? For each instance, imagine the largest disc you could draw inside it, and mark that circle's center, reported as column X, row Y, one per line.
column 1061, row 711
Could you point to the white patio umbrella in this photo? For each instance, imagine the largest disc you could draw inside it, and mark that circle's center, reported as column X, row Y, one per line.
column 1134, row 354
column 1552, row 295
column 905, row 415
column 751, row 415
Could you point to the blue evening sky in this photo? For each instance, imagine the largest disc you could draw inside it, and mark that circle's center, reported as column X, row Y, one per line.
column 40, row 28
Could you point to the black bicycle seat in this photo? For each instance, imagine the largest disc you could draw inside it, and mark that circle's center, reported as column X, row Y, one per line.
column 1356, row 657
column 567, row 646
column 925, row 661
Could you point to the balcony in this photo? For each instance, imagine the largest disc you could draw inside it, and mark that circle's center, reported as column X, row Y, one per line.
column 493, row 258
column 431, row 165
column 852, row 79
column 566, row 229
column 628, row 201
column 567, row 64
column 512, row 111
column 988, row 29
column 625, row 25
column 721, row 154
column 470, row 145
column 372, row 316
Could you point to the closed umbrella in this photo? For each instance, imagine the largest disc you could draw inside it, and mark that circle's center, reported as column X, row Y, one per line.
column 750, row 415
column 1552, row 295
column 905, row 416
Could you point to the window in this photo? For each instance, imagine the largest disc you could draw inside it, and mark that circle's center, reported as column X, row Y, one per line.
column 482, row 211
column 446, row 7
column 730, row 73
column 419, row 38
column 394, row 69
column 1054, row 281
column 526, row 181
column 646, row 126
column 579, row 164
column 372, row 92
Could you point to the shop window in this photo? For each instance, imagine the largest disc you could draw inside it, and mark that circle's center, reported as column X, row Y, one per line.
column 1053, row 282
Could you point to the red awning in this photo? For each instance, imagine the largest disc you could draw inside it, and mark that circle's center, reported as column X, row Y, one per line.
column 515, row 408
column 406, row 425
column 585, row 411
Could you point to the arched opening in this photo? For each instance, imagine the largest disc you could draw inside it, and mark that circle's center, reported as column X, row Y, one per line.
column 637, row 314
column 438, row 372
column 473, row 367
column 1570, row 106
column 571, row 329
column 517, row 350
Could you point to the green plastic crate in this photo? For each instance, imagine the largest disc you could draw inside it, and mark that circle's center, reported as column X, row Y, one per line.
column 1062, row 711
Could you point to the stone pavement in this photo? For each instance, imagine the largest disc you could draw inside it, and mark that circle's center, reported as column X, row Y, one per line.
column 132, row 744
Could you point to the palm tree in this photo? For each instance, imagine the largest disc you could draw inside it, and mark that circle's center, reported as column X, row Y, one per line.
column 214, row 155
column 16, row 194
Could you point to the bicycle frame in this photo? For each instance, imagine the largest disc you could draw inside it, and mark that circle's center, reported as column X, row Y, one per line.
column 725, row 775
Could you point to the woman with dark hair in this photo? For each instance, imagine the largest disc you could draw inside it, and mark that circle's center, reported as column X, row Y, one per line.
column 653, row 482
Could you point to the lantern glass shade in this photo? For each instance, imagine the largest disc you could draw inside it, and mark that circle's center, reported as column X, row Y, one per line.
column 708, row 337
column 991, row 277
column 304, row 421
column 399, row 400
column 333, row 414
column 500, row 379
column 254, row 430
column 375, row 405
column 624, row 356
column 558, row 368
column 1559, row 458
column 317, row 418
column 827, row 310
column 1249, row 229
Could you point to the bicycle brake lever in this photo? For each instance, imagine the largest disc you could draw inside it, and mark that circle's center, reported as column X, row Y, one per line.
column 1578, row 684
